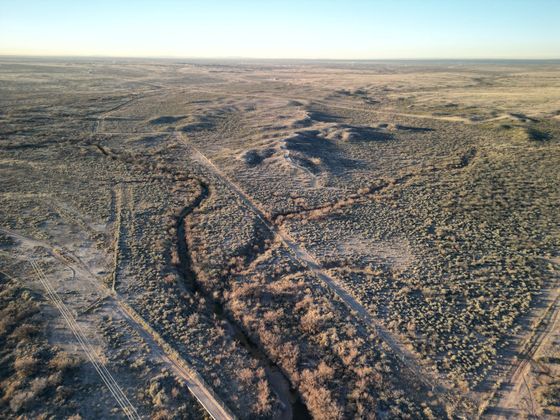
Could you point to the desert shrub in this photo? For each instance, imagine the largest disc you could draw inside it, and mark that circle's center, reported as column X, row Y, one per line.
column 538, row 135
column 33, row 369
column 63, row 362
column 263, row 406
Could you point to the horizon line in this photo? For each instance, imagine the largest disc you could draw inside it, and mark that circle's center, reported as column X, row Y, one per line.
column 163, row 57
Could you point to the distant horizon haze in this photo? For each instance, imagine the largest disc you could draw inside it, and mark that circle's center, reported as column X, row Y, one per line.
column 320, row 30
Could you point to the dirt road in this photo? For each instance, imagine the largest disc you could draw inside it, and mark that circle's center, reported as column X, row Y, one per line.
column 352, row 107
column 106, row 377
column 515, row 387
column 434, row 382
column 158, row 347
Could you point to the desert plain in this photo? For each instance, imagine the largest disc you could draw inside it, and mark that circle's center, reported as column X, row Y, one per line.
column 279, row 239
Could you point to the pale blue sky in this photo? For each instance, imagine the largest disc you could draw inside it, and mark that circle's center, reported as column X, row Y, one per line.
column 350, row 29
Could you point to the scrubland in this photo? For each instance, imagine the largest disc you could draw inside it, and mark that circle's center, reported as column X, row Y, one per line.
column 297, row 239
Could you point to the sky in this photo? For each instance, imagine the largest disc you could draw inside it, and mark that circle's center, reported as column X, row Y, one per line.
column 346, row 29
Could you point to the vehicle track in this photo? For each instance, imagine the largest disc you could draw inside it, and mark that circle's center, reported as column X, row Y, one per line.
column 297, row 166
column 271, row 368
column 114, row 388
column 122, row 219
column 98, row 124
column 353, row 108
column 197, row 386
column 517, row 377
column 160, row 348
column 360, row 197
column 433, row 381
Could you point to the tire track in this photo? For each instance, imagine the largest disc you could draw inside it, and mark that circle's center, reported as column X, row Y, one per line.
column 352, row 107
column 122, row 219
column 160, row 348
column 258, row 354
column 114, row 388
column 197, row 386
column 517, row 376
column 432, row 381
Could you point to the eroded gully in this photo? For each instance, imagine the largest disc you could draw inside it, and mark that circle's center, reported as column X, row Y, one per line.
column 294, row 408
